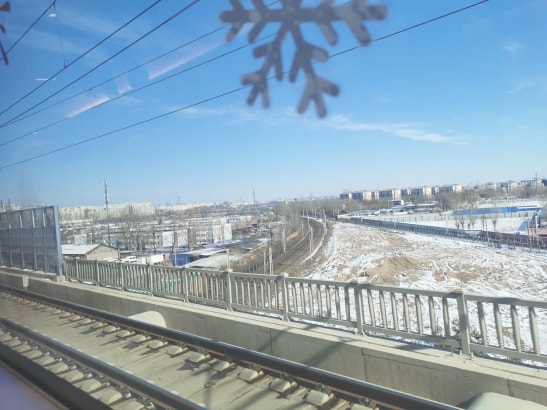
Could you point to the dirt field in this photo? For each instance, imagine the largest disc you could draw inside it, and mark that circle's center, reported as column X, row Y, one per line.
column 427, row 262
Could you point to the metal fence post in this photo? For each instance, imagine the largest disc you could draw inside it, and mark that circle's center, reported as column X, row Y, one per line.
column 96, row 273
column 358, row 307
column 465, row 339
column 186, row 284
column 180, row 281
column 284, row 291
column 121, row 275
column 149, row 276
column 228, row 287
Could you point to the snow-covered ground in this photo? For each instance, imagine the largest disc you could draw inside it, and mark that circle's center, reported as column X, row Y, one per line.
column 386, row 257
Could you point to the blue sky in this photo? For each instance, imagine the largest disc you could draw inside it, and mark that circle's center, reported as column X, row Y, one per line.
column 462, row 99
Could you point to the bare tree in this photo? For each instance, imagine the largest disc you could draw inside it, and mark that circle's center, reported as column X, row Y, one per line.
column 494, row 219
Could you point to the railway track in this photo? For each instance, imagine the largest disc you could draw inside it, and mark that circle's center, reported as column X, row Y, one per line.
column 290, row 260
column 87, row 358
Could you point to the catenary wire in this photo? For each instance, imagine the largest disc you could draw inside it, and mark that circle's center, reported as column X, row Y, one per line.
column 28, row 29
column 124, row 128
column 191, row 68
column 118, row 75
column 178, row 13
column 423, row 23
column 65, row 66
column 59, row 34
column 201, row 37
column 204, row 63
column 138, row 89
column 235, row 90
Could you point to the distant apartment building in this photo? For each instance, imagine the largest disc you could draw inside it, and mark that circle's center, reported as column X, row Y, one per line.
column 431, row 191
column 491, row 185
column 508, row 186
column 406, row 192
column 82, row 213
column 423, row 191
column 389, row 194
column 358, row 195
column 534, row 183
column 451, row 188
column 193, row 232
column 182, row 207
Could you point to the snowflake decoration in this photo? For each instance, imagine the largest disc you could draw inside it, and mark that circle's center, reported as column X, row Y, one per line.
column 290, row 16
column 4, row 7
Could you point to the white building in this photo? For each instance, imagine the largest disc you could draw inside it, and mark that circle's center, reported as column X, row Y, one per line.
column 89, row 252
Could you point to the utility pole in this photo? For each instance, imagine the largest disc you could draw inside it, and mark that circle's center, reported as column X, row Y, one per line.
column 107, row 216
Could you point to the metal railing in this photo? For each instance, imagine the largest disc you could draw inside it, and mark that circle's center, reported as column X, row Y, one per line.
column 496, row 239
column 503, row 327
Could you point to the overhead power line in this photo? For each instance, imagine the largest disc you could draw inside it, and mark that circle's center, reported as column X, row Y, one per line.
column 28, row 29
column 76, row 60
column 178, row 13
column 59, row 34
column 106, row 134
column 33, row 132
column 423, row 23
column 193, row 3
column 222, row 94
column 121, row 74
column 137, row 89
column 201, row 37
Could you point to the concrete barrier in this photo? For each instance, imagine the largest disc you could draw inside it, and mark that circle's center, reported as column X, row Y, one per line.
column 16, row 281
column 412, row 368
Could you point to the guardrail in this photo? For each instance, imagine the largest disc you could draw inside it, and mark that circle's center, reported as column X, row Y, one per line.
column 491, row 238
column 472, row 324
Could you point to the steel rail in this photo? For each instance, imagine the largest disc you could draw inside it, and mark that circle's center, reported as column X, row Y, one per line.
column 155, row 394
column 59, row 389
column 346, row 386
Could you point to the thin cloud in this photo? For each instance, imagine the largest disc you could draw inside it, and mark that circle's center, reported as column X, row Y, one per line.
column 85, row 22
column 88, row 105
column 123, row 85
column 401, row 130
column 477, row 26
column 198, row 112
column 520, row 86
column 383, row 99
column 532, row 83
column 287, row 115
column 526, row 9
column 238, row 116
column 513, row 47
column 159, row 69
column 46, row 41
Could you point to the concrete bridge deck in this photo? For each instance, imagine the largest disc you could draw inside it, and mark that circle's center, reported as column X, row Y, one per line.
column 413, row 368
